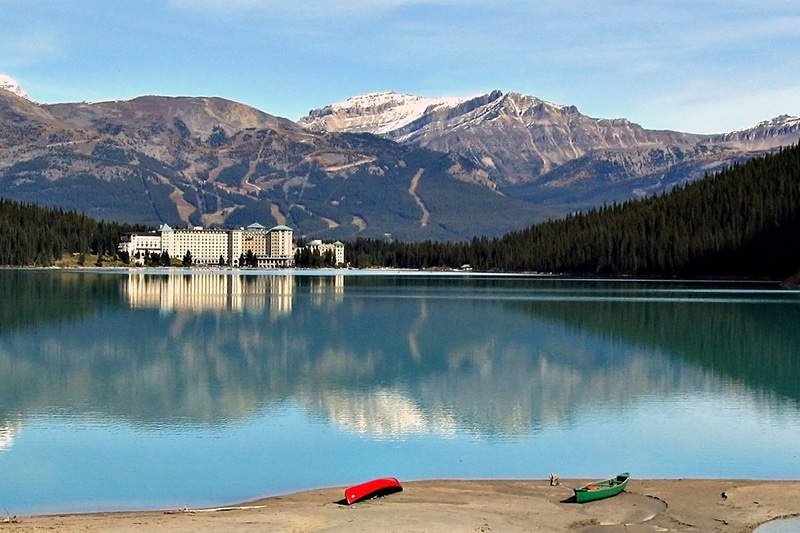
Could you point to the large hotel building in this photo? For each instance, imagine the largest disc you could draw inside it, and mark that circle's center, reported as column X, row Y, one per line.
column 273, row 248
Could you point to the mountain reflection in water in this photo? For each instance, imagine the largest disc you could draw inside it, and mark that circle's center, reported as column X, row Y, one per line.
column 386, row 354
column 289, row 380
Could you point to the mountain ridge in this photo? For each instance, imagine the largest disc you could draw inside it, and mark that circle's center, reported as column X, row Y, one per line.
column 11, row 85
column 524, row 141
column 213, row 162
column 383, row 165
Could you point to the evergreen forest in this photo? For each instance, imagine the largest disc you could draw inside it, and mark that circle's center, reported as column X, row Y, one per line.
column 35, row 236
column 743, row 222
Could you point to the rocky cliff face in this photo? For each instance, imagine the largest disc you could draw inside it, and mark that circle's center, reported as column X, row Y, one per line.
column 379, row 113
column 376, row 165
column 526, row 143
column 767, row 135
column 7, row 83
column 520, row 137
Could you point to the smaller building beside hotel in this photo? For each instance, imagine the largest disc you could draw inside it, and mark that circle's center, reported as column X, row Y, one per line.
column 336, row 248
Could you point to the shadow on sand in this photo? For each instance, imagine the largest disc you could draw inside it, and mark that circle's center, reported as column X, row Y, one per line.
column 377, row 494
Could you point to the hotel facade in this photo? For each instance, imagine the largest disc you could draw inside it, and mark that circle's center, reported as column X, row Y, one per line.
column 272, row 248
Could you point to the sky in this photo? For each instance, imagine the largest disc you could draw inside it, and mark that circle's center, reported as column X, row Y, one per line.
column 700, row 66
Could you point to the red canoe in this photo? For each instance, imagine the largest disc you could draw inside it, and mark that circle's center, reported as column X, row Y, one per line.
column 372, row 489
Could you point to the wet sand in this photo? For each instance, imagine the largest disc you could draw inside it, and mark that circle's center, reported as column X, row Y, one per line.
column 468, row 507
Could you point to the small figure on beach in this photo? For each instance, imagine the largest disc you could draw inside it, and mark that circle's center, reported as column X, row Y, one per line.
column 554, row 480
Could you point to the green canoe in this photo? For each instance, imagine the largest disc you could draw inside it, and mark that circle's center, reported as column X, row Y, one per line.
column 602, row 489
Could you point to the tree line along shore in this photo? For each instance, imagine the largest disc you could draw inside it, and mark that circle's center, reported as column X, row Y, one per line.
column 742, row 222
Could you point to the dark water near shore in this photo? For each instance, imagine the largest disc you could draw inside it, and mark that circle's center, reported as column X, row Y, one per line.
column 162, row 390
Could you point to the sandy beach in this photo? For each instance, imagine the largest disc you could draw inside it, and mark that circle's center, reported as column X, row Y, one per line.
column 468, row 507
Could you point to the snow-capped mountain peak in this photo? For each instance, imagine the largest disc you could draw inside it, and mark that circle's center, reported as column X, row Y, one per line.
column 11, row 85
column 378, row 113
column 766, row 135
column 781, row 121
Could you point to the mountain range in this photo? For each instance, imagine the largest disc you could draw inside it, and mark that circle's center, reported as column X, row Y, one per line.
column 546, row 153
column 383, row 165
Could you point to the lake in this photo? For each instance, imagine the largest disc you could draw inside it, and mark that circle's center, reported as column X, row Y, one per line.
column 165, row 389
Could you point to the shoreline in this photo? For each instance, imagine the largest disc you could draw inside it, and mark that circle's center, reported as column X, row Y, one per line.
column 482, row 506
column 388, row 271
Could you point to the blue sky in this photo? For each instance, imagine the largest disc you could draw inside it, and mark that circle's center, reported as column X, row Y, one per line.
column 702, row 66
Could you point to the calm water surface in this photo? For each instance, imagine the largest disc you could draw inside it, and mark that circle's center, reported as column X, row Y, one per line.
column 788, row 525
column 160, row 389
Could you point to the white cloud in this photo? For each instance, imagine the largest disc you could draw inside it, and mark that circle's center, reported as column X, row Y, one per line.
column 21, row 49
column 314, row 10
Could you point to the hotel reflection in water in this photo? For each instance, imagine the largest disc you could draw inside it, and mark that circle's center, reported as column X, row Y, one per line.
column 214, row 291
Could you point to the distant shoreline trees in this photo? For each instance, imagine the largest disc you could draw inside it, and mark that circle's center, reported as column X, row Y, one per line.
column 743, row 222
column 31, row 235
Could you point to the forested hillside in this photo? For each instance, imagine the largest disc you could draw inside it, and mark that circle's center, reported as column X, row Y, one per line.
column 741, row 222
column 211, row 162
column 32, row 235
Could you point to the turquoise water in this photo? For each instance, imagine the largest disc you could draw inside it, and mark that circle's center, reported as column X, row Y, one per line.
column 162, row 390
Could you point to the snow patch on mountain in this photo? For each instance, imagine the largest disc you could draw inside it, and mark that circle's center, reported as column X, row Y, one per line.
column 11, row 85
column 378, row 113
column 769, row 134
column 779, row 122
